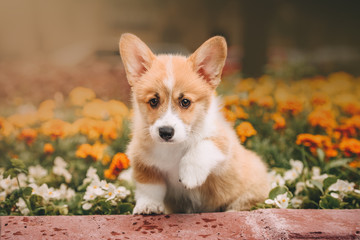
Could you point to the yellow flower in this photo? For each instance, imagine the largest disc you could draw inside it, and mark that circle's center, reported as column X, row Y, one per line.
column 80, row 95
column 96, row 109
column 23, row 120
column 246, row 85
column 46, row 110
column 6, row 128
column 117, row 109
column 245, row 130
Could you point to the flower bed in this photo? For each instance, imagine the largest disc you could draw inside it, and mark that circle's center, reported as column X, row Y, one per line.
column 65, row 156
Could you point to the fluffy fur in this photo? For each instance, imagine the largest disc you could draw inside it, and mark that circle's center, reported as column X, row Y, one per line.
column 202, row 167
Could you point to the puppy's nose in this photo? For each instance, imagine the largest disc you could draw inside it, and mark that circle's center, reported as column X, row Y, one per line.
column 166, row 133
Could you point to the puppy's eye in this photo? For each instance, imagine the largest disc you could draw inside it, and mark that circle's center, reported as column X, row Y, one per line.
column 154, row 102
column 185, row 103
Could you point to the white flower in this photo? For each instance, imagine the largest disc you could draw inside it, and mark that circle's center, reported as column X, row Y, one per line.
column 45, row 192
column 66, row 193
column 296, row 202
column 270, row 201
column 95, row 188
column 89, row 196
column 122, row 192
column 91, row 176
column 59, row 162
column 86, row 206
column 291, row 175
column 60, row 169
column 2, row 196
column 335, row 195
column 6, row 183
column 342, row 186
column 22, row 207
column 297, row 165
column 357, row 191
column 299, row 187
column 276, row 179
column 316, row 174
column 110, row 193
column 281, row 201
column 37, row 171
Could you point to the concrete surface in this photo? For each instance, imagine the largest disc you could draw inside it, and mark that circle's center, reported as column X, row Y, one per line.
column 260, row 224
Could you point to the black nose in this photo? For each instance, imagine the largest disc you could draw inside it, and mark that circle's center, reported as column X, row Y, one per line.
column 166, row 133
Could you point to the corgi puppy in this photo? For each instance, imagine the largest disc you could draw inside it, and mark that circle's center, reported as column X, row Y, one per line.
column 186, row 158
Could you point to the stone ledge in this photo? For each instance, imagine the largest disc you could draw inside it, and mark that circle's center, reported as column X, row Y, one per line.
column 259, row 224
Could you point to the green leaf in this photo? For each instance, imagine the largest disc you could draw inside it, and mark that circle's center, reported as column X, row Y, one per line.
column 320, row 154
column 27, row 191
column 17, row 163
column 309, row 204
column 125, row 208
column 36, row 201
column 329, row 181
column 328, row 202
column 318, row 185
column 337, row 163
column 40, row 211
column 277, row 191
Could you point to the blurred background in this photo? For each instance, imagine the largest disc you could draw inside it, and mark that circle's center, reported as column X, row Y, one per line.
column 49, row 47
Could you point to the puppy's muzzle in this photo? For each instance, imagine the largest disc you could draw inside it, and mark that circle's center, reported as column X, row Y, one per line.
column 166, row 133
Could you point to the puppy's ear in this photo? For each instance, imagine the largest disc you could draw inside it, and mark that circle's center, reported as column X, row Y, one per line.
column 209, row 59
column 136, row 56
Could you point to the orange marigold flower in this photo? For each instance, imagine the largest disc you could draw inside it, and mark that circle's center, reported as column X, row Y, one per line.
column 350, row 146
column 80, row 95
column 352, row 108
column 231, row 100
column 48, row 148
column 279, row 120
column 56, row 128
column 245, row 130
column 240, row 113
column 317, row 141
column 28, row 135
column 95, row 152
column 119, row 162
column 355, row 163
column 291, row 105
column 266, row 101
column 319, row 99
column 323, row 118
column 229, row 115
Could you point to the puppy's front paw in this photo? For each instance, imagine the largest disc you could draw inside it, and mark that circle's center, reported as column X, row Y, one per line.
column 192, row 176
column 148, row 207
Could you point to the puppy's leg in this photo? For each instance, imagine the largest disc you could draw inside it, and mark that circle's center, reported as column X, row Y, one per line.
column 198, row 162
column 149, row 198
column 150, row 190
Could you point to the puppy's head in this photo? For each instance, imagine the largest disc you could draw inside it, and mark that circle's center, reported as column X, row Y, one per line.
column 172, row 93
